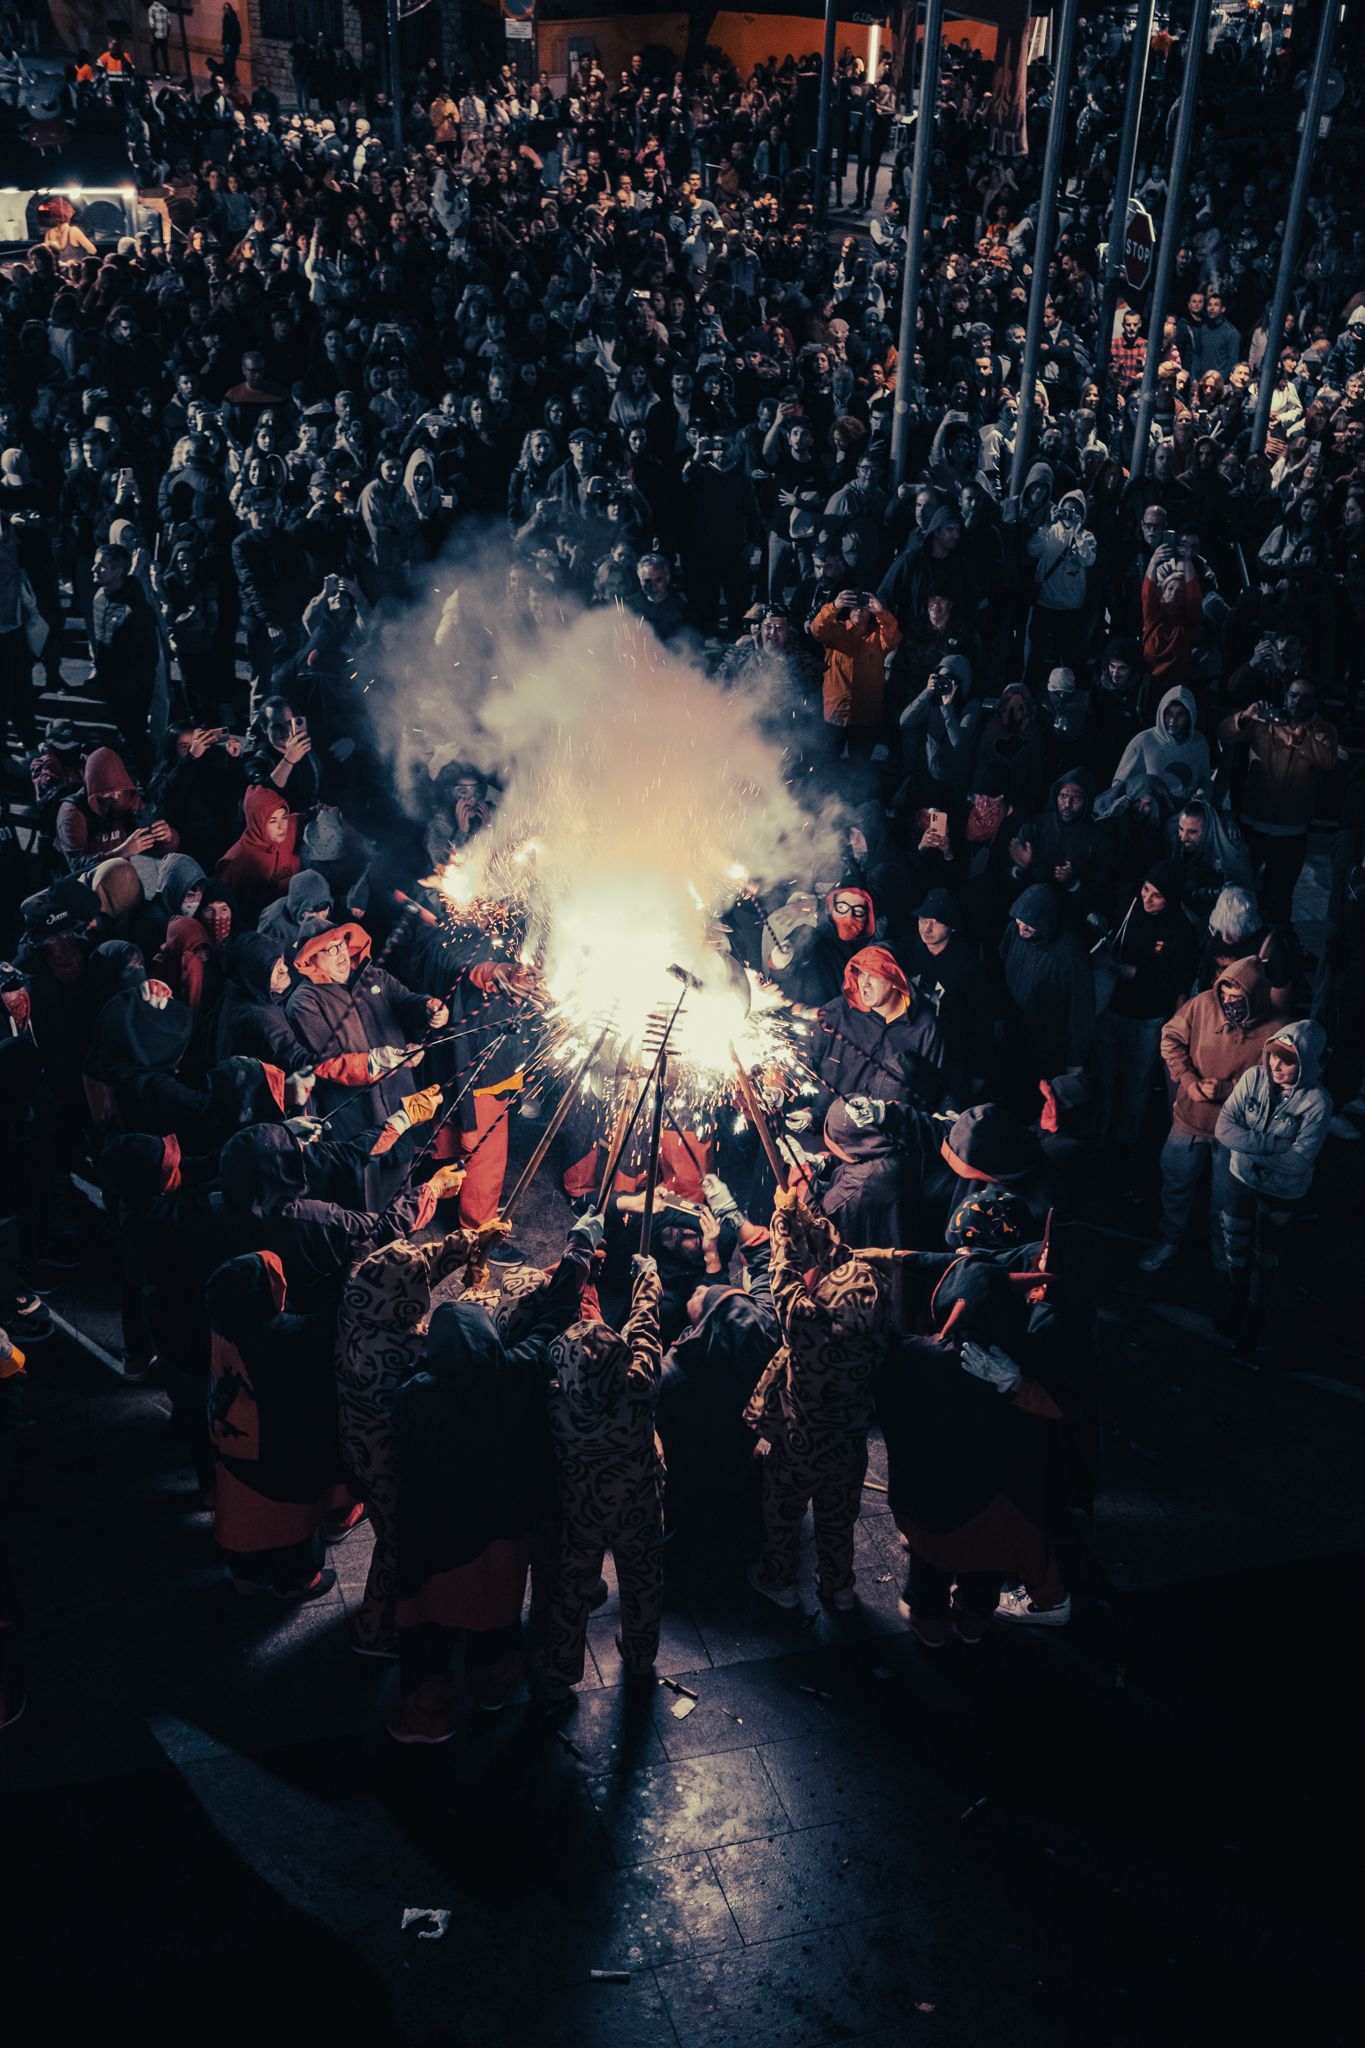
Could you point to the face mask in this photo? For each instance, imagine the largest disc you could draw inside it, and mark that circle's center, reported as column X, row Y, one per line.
column 1236, row 1009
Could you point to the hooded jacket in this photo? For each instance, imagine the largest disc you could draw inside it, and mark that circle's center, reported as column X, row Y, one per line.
column 949, row 727
column 707, row 1377
column 304, row 910
column 1084, row 844
column 1161, row 945
column 1157, row 752
column 87, row 830
column 476, row 1472
column 251, row 1019
column 277, row 1193
column 1065, row 555
column 340, row 1024
column 857, row 1052
column 855, row 665
column 1050, row 985
column 1274, row 1134
column 833, row 1333
column 255, row 867
column 272, row 1410
column 1198, row 1044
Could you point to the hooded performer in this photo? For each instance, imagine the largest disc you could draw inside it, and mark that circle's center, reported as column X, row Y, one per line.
column 876, row 1040
column 814, row 1403
column 476, row 1502
column 272, row 1421
column 356, row 1022
column 611, row 1481
column 380, row 1344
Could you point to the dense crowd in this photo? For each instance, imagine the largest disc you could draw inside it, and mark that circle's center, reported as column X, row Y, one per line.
column 1078, row 739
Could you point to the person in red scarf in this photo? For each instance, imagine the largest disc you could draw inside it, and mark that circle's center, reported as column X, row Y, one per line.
column 260, row 865
column 876, row 1039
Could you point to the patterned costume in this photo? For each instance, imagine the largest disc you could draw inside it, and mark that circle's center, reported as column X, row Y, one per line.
column 611, row 1480
column 814, row 1402
column 381, row 1342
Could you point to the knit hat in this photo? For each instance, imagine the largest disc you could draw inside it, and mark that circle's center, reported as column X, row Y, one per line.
column 985, row 1143
column 1061, row 683
column 1168, row 879
column 941, row 905
column 959, row 668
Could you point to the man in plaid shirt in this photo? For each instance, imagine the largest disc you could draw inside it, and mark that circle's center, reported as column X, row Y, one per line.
column 1128, row 355
column 159, row 29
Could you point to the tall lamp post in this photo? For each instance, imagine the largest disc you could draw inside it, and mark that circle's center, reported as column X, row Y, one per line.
column 1293, row 225
column 1134, row 94
column 1057, row 126
column 1170, row 229
column 927, row 107
column 822, row 163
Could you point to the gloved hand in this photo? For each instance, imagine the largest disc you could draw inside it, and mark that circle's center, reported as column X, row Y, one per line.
column 447, row 1181
column 421, row 1107
column 798, row 1120
column 157, row 993
column 642, row 1263
column 586, row 1235
column 306, row 1129
column 989, row 1363
column 384, row 1058
column 865, row 1112
column 298, row 1087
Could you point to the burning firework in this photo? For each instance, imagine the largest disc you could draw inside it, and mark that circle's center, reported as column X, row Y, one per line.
column 641, row 800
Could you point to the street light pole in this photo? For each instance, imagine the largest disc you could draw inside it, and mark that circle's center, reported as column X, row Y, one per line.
column 1293, row 225
column 927, row 107
column 395, row 75
column 1134, row 95
column 822, row 163
column 1170, row 230
column 1057, row 126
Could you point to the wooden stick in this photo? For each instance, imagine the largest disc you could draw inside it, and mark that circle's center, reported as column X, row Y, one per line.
column 758, row 1119
column 619, row 1153
column 553, row 1128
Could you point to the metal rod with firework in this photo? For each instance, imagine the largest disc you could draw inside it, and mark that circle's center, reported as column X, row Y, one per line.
column 757, row 1116
column 619, row 1143
column 652, row 1169
column 554, row 1126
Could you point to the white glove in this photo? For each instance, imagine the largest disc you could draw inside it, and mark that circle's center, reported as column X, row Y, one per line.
column 799, row 1120
column 989, row 1363
column 384, row 1058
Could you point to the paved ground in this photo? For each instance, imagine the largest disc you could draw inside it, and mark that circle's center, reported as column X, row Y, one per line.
column 1135, row 1832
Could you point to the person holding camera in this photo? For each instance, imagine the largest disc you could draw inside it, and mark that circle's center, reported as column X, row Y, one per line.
column 941, row 729
column 1292, row 747
column 857, row 633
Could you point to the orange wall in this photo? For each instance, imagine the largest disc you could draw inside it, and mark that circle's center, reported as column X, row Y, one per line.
column 745, row 38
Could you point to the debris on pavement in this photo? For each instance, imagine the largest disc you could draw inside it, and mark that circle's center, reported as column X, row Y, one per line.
column 609, row 1976
column 437, row 1917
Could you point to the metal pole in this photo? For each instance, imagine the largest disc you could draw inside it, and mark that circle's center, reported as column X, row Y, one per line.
column 1057, row 126
column 1170, row 229
column 927, row 108
column 656, row 1131
column 181, row 12
column 1134, row 94
column 1293, row 225
column 822, row 163
column 395, row 75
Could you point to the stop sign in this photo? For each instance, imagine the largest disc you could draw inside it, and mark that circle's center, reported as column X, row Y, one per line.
column 1139, row 241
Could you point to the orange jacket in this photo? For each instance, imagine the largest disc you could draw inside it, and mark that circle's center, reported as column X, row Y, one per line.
column 855, row 665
